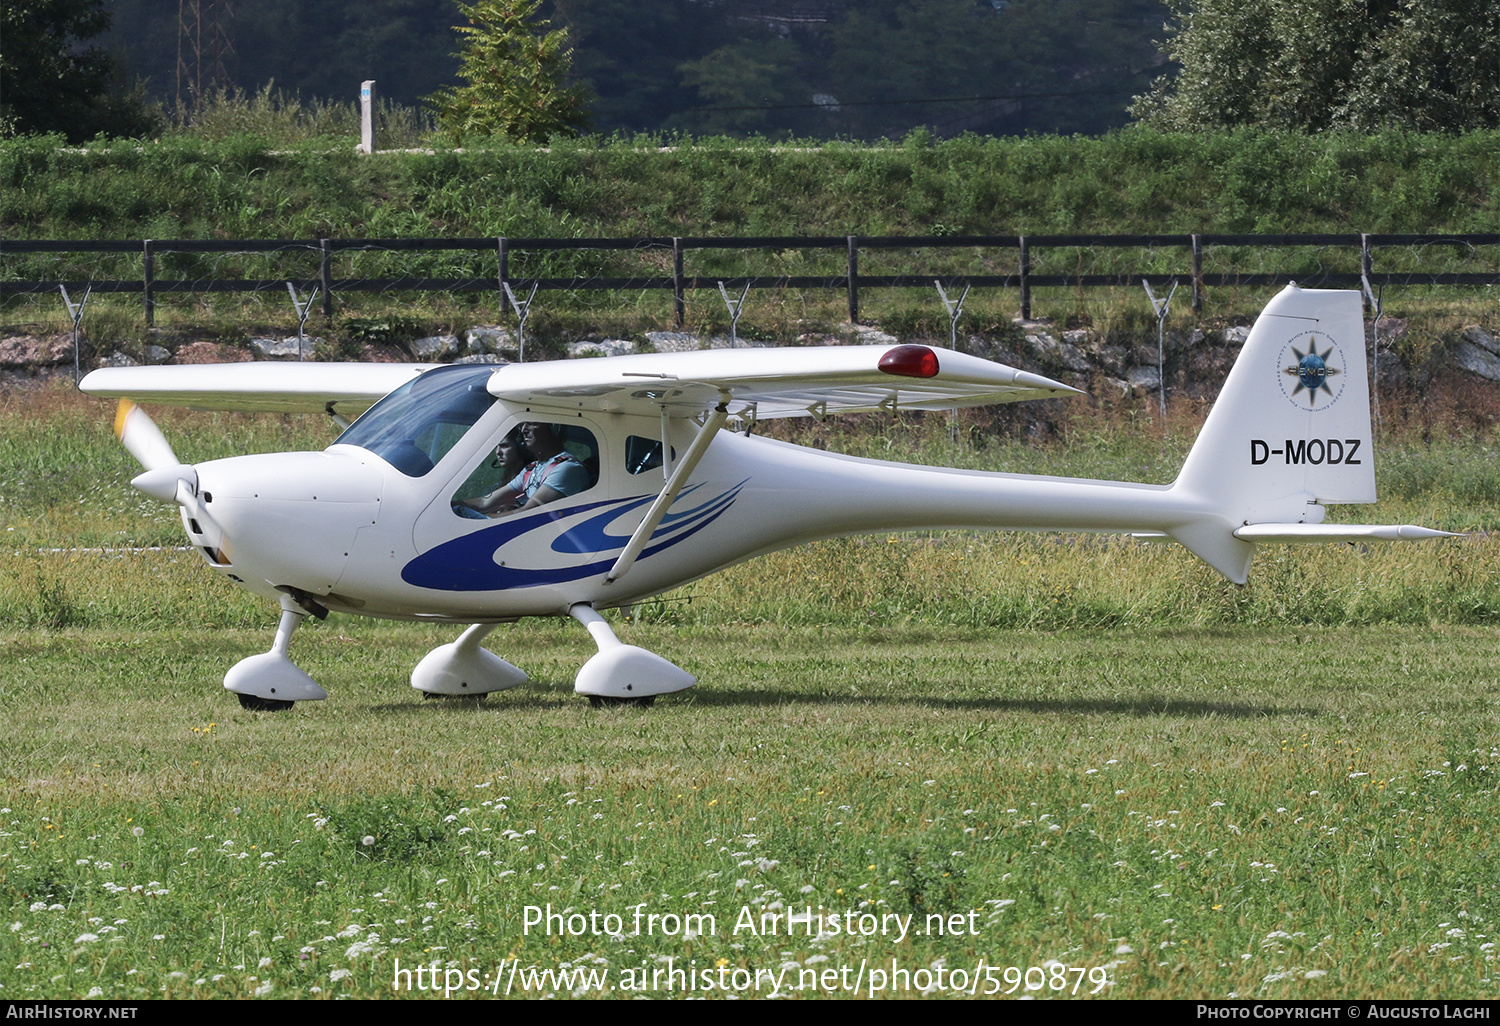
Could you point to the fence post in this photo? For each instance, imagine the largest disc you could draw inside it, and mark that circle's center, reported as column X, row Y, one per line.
column 1366, row 264
column 853, row 242
column 502, row 250
column 679, row 305
column 325, row 275
column 1025, row 279
column 76, row 312
column 1197, row 275
column 523, row 311
column 148, row 276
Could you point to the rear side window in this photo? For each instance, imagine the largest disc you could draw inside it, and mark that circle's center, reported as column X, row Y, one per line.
column 643, row 454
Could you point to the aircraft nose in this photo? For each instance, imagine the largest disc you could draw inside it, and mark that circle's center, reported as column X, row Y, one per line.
column 288, row 519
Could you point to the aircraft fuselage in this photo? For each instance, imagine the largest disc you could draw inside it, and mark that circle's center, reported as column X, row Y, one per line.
column 355, row 533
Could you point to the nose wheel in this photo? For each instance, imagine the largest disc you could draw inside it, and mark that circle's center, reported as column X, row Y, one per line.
column 271, row 682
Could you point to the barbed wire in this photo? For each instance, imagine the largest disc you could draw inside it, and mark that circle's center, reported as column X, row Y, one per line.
column 590, row 277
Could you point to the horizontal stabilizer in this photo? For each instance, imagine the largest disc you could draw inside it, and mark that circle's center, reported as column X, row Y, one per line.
column 1299, row 533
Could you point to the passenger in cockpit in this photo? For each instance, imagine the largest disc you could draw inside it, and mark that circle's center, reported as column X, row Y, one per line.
column 511, row 455
column 555, row 473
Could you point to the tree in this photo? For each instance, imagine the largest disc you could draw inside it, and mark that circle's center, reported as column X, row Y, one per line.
column 1428, row 65
column 517, row 72
column 49, row 83
column 744, row 84
column 609, row 37
column 878, row 68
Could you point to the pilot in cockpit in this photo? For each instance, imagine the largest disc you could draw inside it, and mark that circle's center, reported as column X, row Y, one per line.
column 554, row 473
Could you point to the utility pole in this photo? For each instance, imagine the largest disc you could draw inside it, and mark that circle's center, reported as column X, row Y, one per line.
column 204, row 39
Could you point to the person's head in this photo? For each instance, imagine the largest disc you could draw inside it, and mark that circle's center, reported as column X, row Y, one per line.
column 512, row 454
column 541, row 439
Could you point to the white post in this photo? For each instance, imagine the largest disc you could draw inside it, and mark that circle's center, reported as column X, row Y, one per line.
column 367, row 116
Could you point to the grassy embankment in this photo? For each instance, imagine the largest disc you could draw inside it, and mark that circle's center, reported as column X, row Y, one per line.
column 243, row 186
column 1090, row 753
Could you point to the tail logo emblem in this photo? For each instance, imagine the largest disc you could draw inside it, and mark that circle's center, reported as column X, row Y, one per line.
column 1309, row 378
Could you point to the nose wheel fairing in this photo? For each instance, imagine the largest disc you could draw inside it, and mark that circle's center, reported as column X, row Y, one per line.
column 271, row 676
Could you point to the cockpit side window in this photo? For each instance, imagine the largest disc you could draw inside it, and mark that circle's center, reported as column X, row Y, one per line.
column 532, row 464
column 413, row 428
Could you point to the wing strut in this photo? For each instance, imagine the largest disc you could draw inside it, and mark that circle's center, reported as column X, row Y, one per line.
column 668, row 494
column 666, row 444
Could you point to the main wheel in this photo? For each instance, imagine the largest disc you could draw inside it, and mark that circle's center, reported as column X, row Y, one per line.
column 255, row 703
column 607, row 702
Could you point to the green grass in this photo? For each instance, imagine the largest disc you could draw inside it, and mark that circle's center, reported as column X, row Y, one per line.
column 240, row 183
column 1094, row 754
column 1259, row 812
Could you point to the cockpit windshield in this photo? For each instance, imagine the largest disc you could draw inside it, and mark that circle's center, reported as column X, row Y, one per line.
column 415, row 426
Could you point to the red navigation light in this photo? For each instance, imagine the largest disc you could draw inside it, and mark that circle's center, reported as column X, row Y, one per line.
column 910, row 362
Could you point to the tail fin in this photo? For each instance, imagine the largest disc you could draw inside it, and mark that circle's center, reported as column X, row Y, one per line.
column 1290, row 430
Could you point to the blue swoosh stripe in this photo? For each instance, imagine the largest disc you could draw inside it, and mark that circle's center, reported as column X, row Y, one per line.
column 591, row 535
column 467, row 563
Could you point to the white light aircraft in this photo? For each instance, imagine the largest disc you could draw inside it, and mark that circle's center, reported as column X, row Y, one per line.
column 638, row 489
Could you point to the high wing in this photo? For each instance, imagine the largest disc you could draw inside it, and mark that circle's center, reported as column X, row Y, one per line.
column 347, row 389
column 763, row 384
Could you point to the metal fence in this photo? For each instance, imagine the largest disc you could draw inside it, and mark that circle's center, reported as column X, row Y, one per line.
column 1018, row 262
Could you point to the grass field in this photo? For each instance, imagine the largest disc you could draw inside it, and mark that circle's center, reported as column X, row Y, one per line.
column 980, row 763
